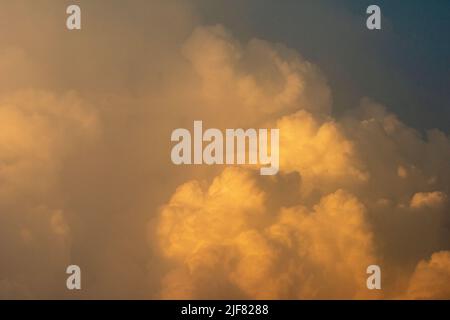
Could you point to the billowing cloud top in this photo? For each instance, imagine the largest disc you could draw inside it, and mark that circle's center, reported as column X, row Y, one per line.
column 86, row 176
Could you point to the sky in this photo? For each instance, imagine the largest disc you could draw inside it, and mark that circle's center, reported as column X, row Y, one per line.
column 405, row 66
column 86, row 177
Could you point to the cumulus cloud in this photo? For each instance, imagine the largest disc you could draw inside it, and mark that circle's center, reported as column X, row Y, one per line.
column 84, row 166
column 428, row 199
column 68, row 112
column 39, row 130
column 431, row 278
column 360, row 177
column 224, row 232
column 319, row 151
column 259, row 79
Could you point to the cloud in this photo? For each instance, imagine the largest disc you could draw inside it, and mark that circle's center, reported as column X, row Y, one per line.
column 361, row 180
column 69, row 111
column 431, row 278
column 428, row 199
column 199, row 228
column 319, row 151
column 39, row 130
column 257, row 78
column 228, row 205
column 226, row 235
column 84, row 166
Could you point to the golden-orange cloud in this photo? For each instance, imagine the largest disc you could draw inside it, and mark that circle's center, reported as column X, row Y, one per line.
column 363, row 180
column 85, row 124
